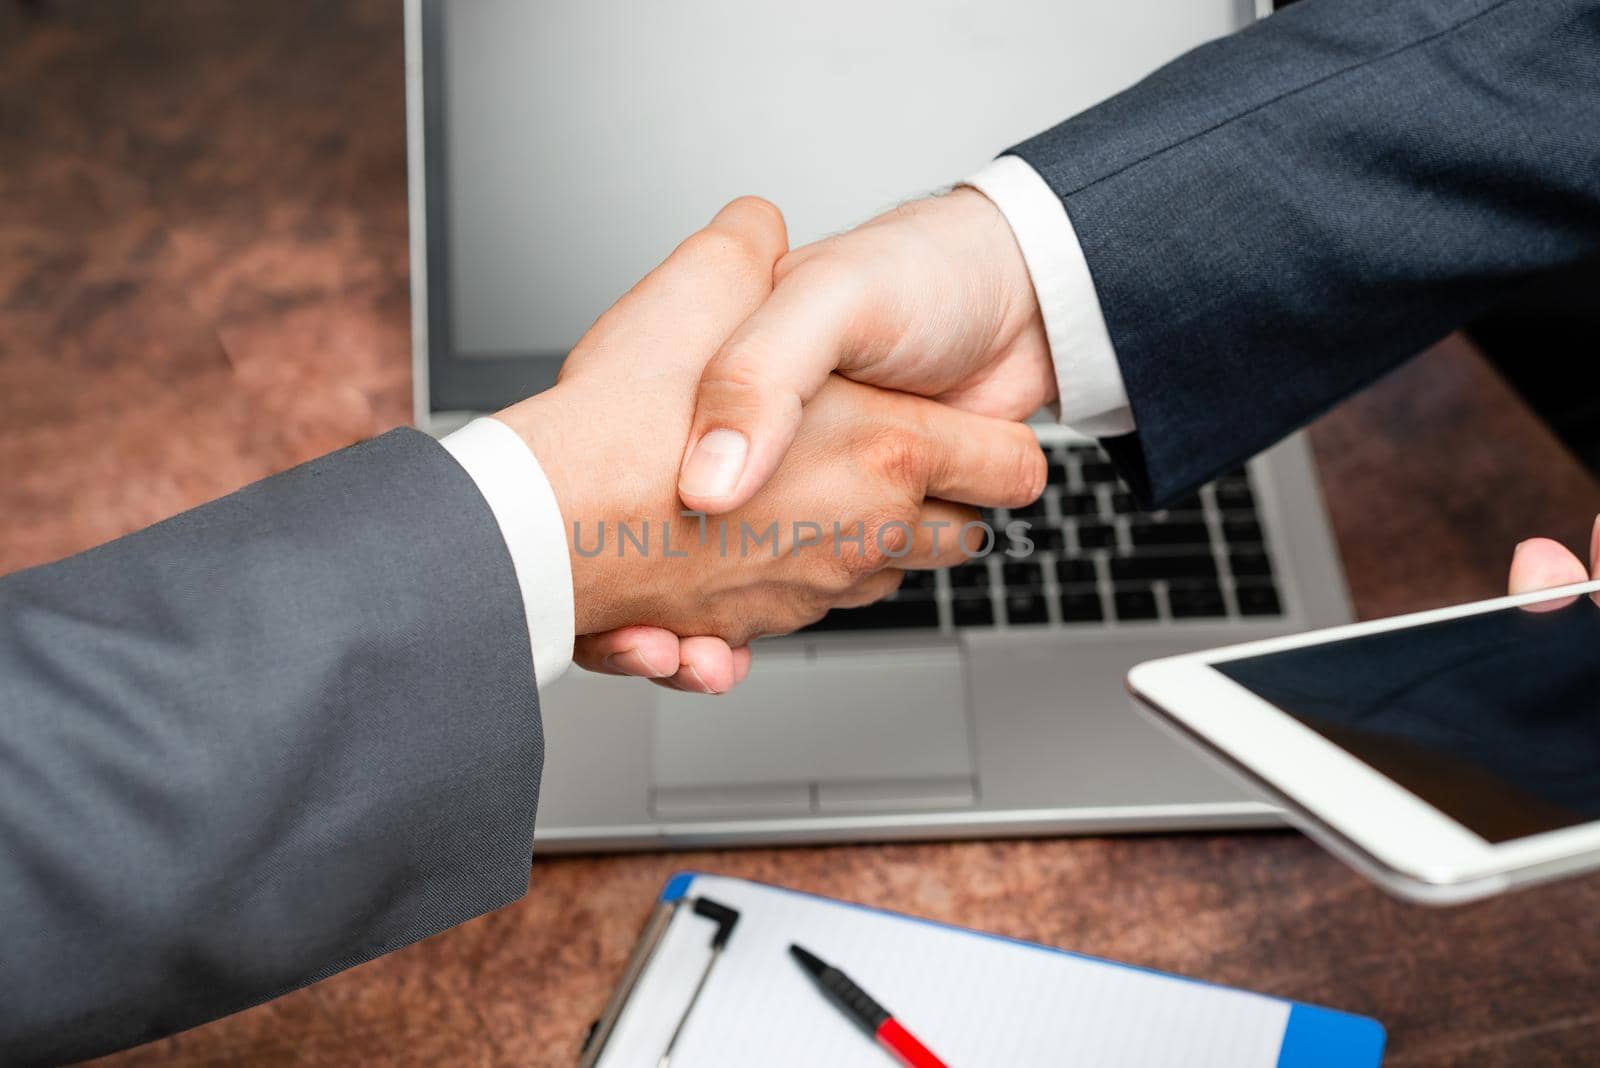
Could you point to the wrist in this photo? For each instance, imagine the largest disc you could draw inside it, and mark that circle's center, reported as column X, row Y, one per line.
column 550, row 424
column 987, row 237
column 542, row 422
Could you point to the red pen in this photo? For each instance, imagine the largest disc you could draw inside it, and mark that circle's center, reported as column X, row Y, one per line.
column 867, row 1014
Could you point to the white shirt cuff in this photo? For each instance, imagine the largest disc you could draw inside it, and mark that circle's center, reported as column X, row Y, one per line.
column 525, row 507
column 1094, row 400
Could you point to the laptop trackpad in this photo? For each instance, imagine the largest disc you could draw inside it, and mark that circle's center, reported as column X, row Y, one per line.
column 838, row 734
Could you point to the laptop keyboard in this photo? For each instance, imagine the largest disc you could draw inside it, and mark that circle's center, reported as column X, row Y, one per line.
column 1096, row 560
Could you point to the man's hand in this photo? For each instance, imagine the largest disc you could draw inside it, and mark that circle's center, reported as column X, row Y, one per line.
column 1542, row 564
column 932, row 298
column 609, row 434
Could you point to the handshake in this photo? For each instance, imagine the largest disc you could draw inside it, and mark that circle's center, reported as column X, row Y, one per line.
column 751, row 436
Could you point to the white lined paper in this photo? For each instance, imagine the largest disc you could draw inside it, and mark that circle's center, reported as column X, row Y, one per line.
column 975, row 1000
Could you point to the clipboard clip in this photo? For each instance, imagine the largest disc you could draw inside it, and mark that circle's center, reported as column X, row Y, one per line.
column 725, row 918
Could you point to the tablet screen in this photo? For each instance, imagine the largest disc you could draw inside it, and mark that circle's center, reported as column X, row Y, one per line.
column 1494, row 719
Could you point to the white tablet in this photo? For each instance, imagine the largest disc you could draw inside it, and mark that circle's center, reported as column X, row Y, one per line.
column 1448, row 755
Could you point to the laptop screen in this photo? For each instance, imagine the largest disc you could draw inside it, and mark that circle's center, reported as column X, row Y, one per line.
column 572, row 143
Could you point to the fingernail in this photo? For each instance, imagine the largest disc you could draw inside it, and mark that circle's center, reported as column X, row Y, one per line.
column 698, row 681
column 714, row 465
column 633, row 662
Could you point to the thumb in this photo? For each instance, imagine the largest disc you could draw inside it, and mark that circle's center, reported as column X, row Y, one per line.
column 1542, row 564
column 752, row 392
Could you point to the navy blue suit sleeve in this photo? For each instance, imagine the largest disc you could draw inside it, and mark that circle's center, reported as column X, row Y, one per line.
column 1276, row 218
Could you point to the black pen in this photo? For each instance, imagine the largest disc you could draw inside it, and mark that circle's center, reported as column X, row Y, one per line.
column 867, row 1014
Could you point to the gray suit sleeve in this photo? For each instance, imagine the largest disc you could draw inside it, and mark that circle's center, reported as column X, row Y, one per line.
column 264, row 741
column 1277, row 218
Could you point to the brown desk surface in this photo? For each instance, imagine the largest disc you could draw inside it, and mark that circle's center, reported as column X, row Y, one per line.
column 203, row 280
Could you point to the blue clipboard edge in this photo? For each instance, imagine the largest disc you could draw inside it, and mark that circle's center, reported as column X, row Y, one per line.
column 1314, row 1037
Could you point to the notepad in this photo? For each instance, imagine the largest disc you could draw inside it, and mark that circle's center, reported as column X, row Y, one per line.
column 977, row 1000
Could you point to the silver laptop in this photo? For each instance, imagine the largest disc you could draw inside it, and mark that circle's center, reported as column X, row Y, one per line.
column 560, row 149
